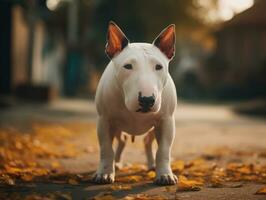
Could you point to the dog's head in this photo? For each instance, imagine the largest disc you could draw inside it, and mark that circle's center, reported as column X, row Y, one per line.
column 141, row 69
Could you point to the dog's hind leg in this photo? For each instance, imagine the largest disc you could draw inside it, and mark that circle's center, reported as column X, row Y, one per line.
column 148, row 139
column 121, row 138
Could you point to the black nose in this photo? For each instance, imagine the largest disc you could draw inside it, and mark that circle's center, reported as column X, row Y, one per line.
column 146, row 102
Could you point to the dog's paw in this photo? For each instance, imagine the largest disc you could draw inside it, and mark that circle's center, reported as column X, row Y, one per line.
column 103, row 178
column 166, row 179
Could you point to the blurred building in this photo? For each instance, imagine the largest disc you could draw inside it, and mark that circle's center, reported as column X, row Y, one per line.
column 33, row 49
column 48, row 46
column 241, row 48
column 5, row 42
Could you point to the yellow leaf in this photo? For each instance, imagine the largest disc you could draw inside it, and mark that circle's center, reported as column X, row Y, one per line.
column 151, row 174
column 12, row 170
column 26, row 177
column 55, row 164
column 72, row 181
column 135, row 167
column 121, row 187
column 261, row 191
column 135, row 178
column 245, row 170
column 130, row 179
column 144, row 197
column 188, row 185
column 198, row 161
column 178, row 165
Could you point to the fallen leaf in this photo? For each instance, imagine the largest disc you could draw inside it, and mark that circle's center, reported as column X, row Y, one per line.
column 233, row 185
column 216, row 182
column 188, row 185
column 121, row 187
column 261, row 191
column 130, row 179
column 26, row 177
column 134, row 168
column 178, row 165
column 55, row 164
column 151, row 174
column 72, row 181
column 145, row 197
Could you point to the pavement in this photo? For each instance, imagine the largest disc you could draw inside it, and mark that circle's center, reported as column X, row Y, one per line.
column 200, row 128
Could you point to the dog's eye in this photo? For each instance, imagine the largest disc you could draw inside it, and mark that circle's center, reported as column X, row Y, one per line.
column 158, row 67
column 128, row 66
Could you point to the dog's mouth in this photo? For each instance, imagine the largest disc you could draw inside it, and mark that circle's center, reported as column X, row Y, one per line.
column 144, row 109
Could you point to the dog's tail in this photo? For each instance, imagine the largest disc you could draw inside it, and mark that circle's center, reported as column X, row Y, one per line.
column 132, row 138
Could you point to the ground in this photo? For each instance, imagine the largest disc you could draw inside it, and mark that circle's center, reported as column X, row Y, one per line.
column 50, row 152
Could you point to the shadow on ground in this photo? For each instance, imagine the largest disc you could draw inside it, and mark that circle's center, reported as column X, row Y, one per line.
column 255, row 108
column 73, row 186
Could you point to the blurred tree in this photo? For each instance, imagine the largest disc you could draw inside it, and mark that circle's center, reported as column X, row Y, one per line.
column 207, row 11
column 140, row 20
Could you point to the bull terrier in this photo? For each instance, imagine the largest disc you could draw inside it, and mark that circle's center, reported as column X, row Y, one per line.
column 136, row 95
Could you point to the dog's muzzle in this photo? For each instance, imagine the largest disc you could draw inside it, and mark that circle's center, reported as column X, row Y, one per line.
column 145, row 103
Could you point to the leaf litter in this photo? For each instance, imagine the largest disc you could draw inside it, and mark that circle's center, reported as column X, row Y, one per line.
column 261, row 191
column 20, row 154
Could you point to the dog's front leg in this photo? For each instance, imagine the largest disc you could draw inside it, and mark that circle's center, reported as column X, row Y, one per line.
column 106, row 172
column 165, row 133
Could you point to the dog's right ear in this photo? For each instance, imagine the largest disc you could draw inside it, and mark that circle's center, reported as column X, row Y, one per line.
column 166, row 41
column 116, row 40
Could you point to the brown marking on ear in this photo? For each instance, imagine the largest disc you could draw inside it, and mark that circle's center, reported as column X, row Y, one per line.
column 166, row 41
column 116, row 40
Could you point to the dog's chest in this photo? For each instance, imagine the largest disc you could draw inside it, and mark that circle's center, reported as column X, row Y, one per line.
column 135, row 124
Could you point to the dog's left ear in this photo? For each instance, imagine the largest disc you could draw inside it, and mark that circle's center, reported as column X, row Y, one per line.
column 165, row 41
column 116, row 40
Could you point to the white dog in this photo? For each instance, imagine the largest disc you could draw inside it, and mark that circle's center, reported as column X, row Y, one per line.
column 136, row 95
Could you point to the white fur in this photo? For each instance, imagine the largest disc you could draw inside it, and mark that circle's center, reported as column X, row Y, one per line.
column 117, row 102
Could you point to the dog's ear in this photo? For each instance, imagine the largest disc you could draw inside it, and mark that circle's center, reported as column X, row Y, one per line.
column 165, row 41
column 116, row 40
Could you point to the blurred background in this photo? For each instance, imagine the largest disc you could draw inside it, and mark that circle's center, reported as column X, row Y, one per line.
column 55, row 48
